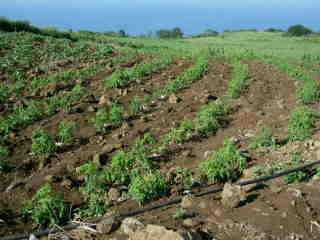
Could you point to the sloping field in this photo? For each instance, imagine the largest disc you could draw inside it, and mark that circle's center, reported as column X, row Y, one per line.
column 111, row 125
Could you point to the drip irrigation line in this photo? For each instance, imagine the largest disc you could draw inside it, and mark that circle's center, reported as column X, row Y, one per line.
column 173, row 201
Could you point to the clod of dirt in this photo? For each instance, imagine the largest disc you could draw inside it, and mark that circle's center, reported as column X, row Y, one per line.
column 173, row 99
column 114, row 194
column 109, row 148
column 108, row 225
column 103, row 100
column 154, row 232
column 67, row 184
column 191, row 223
column 232, row 195
column 187, row 202
column 130, row 225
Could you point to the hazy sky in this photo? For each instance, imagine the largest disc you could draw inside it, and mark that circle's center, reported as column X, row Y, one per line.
column 140, row 16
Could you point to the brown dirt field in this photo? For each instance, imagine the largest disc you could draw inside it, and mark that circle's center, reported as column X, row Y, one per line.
column 267, row 102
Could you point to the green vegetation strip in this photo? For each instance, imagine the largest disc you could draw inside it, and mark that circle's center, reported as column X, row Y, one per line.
column 33, row 111
column 239, row 81
column 186, row 78
column 123, row 77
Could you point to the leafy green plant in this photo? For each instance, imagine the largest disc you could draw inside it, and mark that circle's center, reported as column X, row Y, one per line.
column 93, row 190
column 148, row 187
column 225, row 164
column 125, row 165
column 239, row 79
column 263, row 139
column 42, row 142
column 301, row 123
column 112, row 115
column 47, row 208
column 180, row 134
column 210, row 116
column 295, row 176
column 66, row 131
column 120, row 168
column 136, row 106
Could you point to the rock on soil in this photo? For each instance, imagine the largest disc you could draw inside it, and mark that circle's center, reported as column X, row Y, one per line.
column 173, row 99
column 114, row 194
column 187, row 201
column 232, row 195
column 154, row 232
column 107, row 225
column 130, row 225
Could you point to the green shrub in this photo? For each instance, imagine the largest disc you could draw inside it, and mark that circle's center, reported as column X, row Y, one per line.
column 148, row 187
column 301, row 123
column 66, row 131
column 120, row 168
column 299, row 30
column 169, row 33
column 46, row 208
column 42, row 142
column 93, row 190
column 239, row 79
column 264, row 139
column 225, row 164
column 210, row 117
column 112, row 115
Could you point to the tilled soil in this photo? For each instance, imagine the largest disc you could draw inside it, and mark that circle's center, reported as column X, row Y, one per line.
column 270, row 97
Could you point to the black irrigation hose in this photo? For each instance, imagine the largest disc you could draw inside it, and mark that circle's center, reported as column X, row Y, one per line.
column 167, row 203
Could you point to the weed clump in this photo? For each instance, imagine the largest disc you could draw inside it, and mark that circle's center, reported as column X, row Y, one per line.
column 47, row 208
column 301, row 123
column 42, row 142
column 225, row 164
